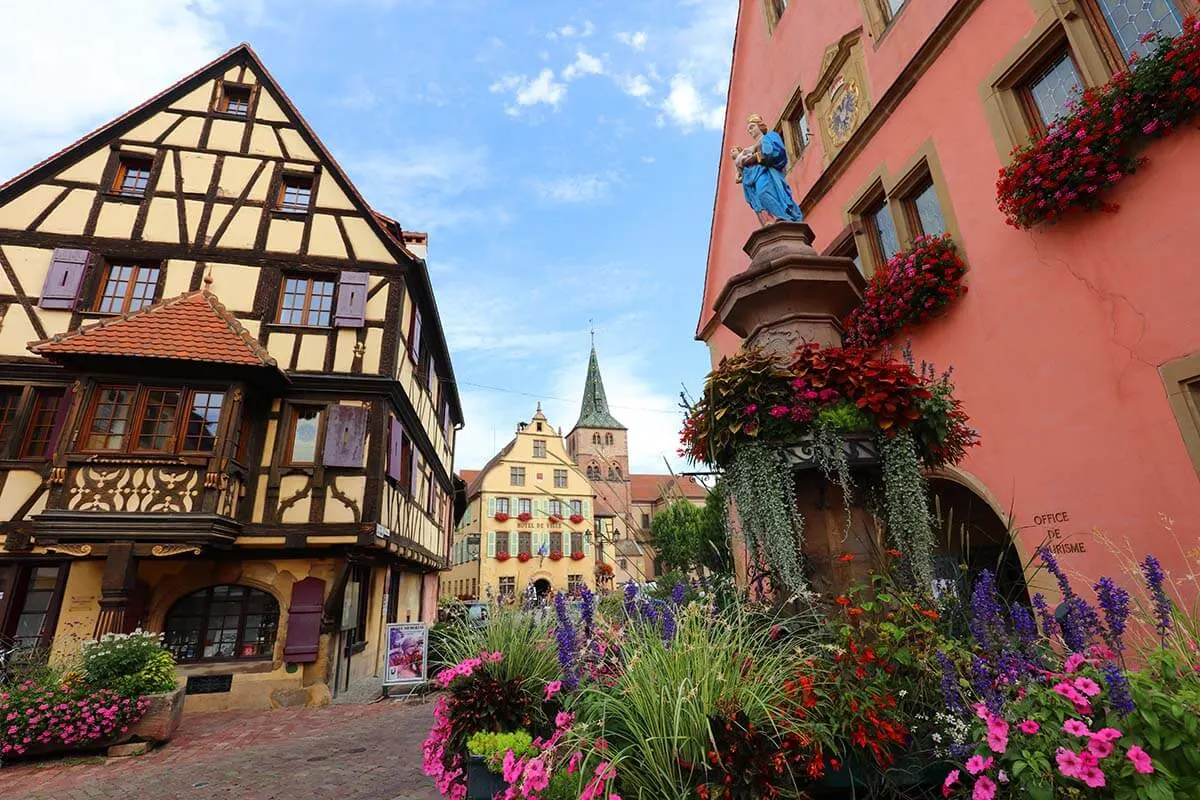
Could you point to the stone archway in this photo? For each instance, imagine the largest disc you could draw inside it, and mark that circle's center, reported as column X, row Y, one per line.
column 542, row 587
column 969, row 531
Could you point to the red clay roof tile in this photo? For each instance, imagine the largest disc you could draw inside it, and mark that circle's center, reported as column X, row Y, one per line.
column 190, row 327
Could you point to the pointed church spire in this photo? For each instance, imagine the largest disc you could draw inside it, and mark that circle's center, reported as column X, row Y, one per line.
column 594, row 413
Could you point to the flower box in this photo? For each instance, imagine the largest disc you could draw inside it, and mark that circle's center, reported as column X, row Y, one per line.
column 501, row 517
column 556, row 555
column 482, row 783
column 577, row 556
column 502, row 556
column 576, row 519
column 523, row 557
column 524, row 516
column 556, row 519
column 604, row 570
column 162, row 717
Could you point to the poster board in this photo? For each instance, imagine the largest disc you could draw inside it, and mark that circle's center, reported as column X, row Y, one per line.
column 406, row 654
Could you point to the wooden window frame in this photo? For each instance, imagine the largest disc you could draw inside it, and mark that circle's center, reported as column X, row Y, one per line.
column 204, row 620
column 137, row 409
column 539, row 448
column 220, row 106
column 10, row 428
column 525, row 543
column 507, row 505
column 524, row 505
column 868, row 234
column 124, row 162
column 576, row 507
column 514, row 473
column 279, row 205
column 294, row 411
column 105, row 273
column 561, row 473
column 22, row 573
column 509, row 581
column 575, row 584
column 1023, row 89
column 306, row 309
column 36, row 396
column 1106, row 40
column 507, row 549
column 572, row 541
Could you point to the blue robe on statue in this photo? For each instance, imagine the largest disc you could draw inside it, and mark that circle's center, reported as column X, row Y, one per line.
column 764, row 185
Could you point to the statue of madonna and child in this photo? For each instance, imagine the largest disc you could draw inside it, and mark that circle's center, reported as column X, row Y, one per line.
column 760, row 171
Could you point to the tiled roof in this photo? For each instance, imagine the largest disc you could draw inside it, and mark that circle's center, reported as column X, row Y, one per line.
column 190, row 327
column 652, row 488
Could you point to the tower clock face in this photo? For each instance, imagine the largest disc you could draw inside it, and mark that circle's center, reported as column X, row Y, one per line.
column 843, row 112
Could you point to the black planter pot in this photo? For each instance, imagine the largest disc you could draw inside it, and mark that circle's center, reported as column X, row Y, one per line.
column 855, row 780
column 482, row 783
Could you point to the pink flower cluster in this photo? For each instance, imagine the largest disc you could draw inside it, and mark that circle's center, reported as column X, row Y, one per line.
column 528, row 776
column 1078, row 691
column 33, row 716
column 466, row 668
column 1085, row 765
column 445, row 768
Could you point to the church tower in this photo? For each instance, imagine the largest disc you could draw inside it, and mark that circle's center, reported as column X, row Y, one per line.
column 599, row 445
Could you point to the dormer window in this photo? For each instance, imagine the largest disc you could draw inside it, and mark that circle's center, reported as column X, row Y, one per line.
column 133, row 176
column 235, row 100
column 295, row 194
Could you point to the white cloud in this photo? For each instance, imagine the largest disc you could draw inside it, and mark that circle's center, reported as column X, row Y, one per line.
column 636, row 86
column 584, row 64
column 688, row 108
column 358, row 95
column 542, row 89
column 635, row 40
column 574, row 188
column 572, row 32
column 68, row 66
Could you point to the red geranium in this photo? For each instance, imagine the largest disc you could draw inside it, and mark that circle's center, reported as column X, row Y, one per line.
column 556, row 555
column 523, row 557
column 524, row 516
column 502, row 556
column 501, row 517
column 556, row 519
column 576, row 519
column 912, row 288
column 1089, row 150
column 577, row 556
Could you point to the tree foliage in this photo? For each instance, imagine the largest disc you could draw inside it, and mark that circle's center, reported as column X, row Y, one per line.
column 688, row 536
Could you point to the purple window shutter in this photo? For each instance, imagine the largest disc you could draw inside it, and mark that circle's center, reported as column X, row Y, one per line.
column 64, row 278
column 351, row 301
column 60, row 417
column 414, row 339
column 395, row 450
column 345, row 434
column 304, row 621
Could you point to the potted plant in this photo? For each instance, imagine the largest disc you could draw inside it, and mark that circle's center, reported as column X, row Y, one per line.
column 485, row 761
column 604, row 569
column 502, row 556
column 137, row 665
column 576, row 556
column 556, row 519
column 576, row 519
column 501, row 517
column 524, row 516
column 523, row 557
column 556, row 555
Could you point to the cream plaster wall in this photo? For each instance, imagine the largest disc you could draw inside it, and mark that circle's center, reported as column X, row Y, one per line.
column 18, row 488
column 87, row 169
column 289, row 486
column 162, row 221
column 312, row 353
column 326, row 238
column 284, row 235
column 70, row 214
column 197, row 171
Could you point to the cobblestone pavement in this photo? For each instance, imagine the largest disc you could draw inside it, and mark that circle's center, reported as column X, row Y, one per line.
column 370, row 752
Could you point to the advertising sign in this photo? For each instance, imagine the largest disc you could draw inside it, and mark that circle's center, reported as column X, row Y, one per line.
column 405, row 657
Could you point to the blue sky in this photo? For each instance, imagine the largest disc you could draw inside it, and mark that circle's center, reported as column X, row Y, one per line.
column 560, row 155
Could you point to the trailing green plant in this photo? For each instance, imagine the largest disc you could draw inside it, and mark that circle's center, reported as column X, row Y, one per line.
column 525, row 640
column 906, row 505
column 131, row 664
column 760, row 481
column 830, row 454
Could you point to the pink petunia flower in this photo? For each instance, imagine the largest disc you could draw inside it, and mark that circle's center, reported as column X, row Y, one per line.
column 1141, row 760
column 1029, row 726
column 950, row 782
column 1086, row 685
column 553, row 688
column 977, row 764
column 985, row 789
column 1069, row 763
column 1074, row 662
column 1108, row 734
column 1076, row 728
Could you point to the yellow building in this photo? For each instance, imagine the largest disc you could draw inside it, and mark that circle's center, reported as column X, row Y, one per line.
column 528, row 524
column 227, row 409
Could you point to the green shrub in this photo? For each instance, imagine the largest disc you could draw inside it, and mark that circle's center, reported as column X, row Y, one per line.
column 132, row 664
column 493, row 746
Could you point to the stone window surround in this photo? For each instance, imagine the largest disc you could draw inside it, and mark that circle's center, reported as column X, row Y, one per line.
column 1077, row 23
column 923, row 165
column 878, row 20
column 1181, row 379
column 771, row 15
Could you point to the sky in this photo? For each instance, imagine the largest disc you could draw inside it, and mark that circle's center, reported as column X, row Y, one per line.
column 561, row 156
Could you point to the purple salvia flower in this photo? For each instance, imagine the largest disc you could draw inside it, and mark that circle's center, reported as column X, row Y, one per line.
column 1023, row 625
column 1114, row 602
column 1152, row 571
column 631, row 591
column 668, row 624
column 985, row 685
column 587, row 611
column 567, row 644
column 1054, row 569
column 1082, row 624
column 1119, row 695
column 679, row 593
column 949, row 684
column 1049, row 622
column 986, row 620
column 649, row 612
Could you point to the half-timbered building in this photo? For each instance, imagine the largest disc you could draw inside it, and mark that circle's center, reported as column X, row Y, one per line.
column 227, row 408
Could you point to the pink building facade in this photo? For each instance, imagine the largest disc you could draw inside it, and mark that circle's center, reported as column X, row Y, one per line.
column 1077, row 348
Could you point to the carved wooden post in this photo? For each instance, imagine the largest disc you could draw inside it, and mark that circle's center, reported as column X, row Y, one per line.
column 117, row 586
column 790, row 295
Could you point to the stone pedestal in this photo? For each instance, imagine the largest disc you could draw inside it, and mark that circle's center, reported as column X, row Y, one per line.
column 789, row 294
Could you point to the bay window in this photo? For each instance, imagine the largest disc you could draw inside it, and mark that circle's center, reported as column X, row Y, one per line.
column 147, row 419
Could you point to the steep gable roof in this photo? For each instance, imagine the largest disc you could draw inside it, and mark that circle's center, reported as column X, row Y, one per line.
column 652, row 488
column 415, row 268
column 190, row 327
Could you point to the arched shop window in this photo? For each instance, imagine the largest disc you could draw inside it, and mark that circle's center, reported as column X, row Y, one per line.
column 222, row 622
column 971, row 537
